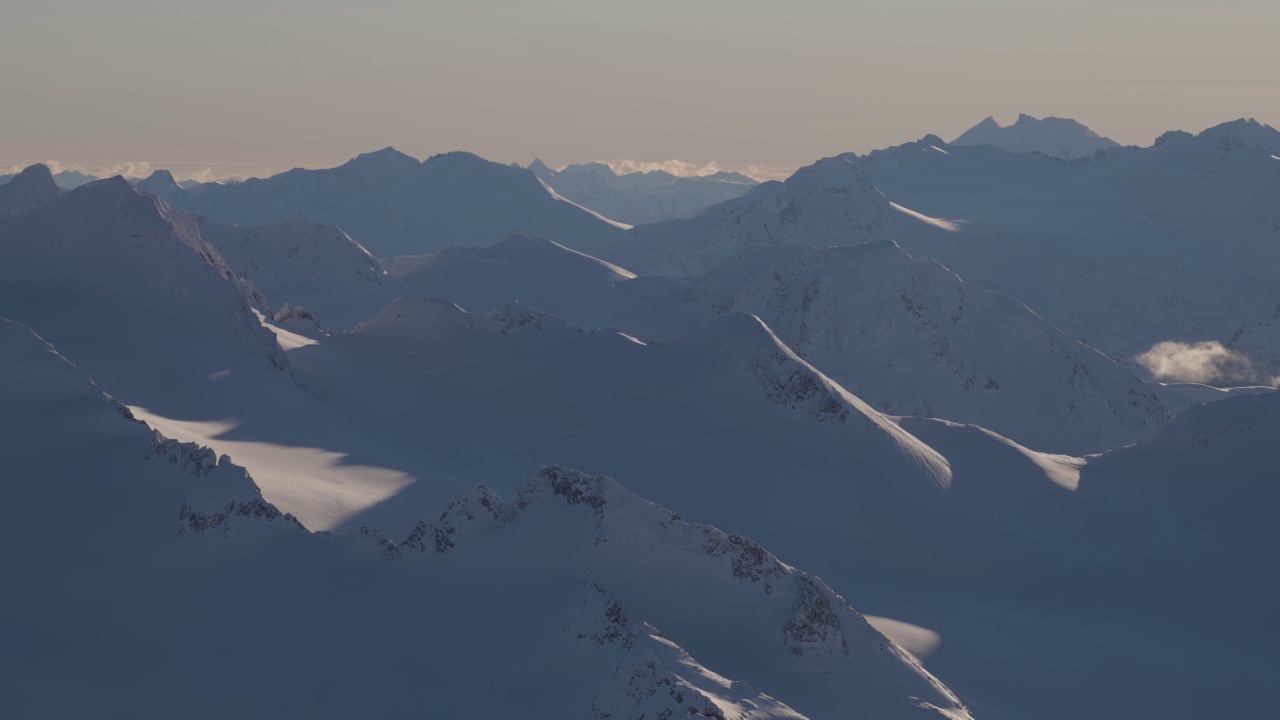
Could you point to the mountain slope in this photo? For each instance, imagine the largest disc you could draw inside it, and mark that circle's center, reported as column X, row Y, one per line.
column 130, row 289
column 580, row 289
column 1124, row 250
column 912, row 338
column 828, row 203
column 1056, row 137
column 160, row 547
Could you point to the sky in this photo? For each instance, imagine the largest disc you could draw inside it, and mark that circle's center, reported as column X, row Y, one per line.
column 244, row 87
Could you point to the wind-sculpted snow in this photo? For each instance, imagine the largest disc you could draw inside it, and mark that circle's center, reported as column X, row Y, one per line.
column 911, row 338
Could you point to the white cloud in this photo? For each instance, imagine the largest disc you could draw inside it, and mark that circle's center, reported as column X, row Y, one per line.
column 1206, row 362
column 682, row 168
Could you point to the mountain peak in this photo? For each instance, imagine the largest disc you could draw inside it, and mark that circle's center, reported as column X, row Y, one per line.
column 29, row 188
column 160, row 183
column 1241, row 133
column 1053, row 136
column 388, row 159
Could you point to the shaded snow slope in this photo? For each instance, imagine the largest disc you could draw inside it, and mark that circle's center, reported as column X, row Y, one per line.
column 394, row 205
column 1056, row 137
column 130, row 290
column 912, row 338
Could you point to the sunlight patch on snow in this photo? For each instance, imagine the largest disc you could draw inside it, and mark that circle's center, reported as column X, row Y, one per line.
column 317, row 486
column 935, row 147
column 620, row 270
column 561, row 198
column 1275, row 157
column 921, row 642
column 633, row 339
column 947, row 225
column 937, row 467
column 215, row 377
column 287, row 340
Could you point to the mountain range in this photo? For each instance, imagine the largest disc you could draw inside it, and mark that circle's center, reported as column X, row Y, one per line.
column 868, row 441
column 641, row 197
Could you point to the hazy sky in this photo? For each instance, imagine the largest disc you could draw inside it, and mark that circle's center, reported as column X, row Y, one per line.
column 247, row 86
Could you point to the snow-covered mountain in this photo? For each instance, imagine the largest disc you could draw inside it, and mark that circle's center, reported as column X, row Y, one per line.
column 304, row 264
column 159, row 183
column 161, row 546
column 127, row 286
column 29, row 188
column 642, row 197
column 1258, row 344
column 1127, row 249
column 912, row 338
column 394, row 205
column 584, row 291
column 1056, row 137
column 828, row 203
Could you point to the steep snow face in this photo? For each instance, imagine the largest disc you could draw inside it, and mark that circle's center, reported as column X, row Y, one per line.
column 129, row 289
column 828, row 203
column 641, row 197
column 1056, row 137
column 304, row 263
column 32, row 187
column 1124, row 250
column 912, row 338
column 394, row 205
column 584, row 291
